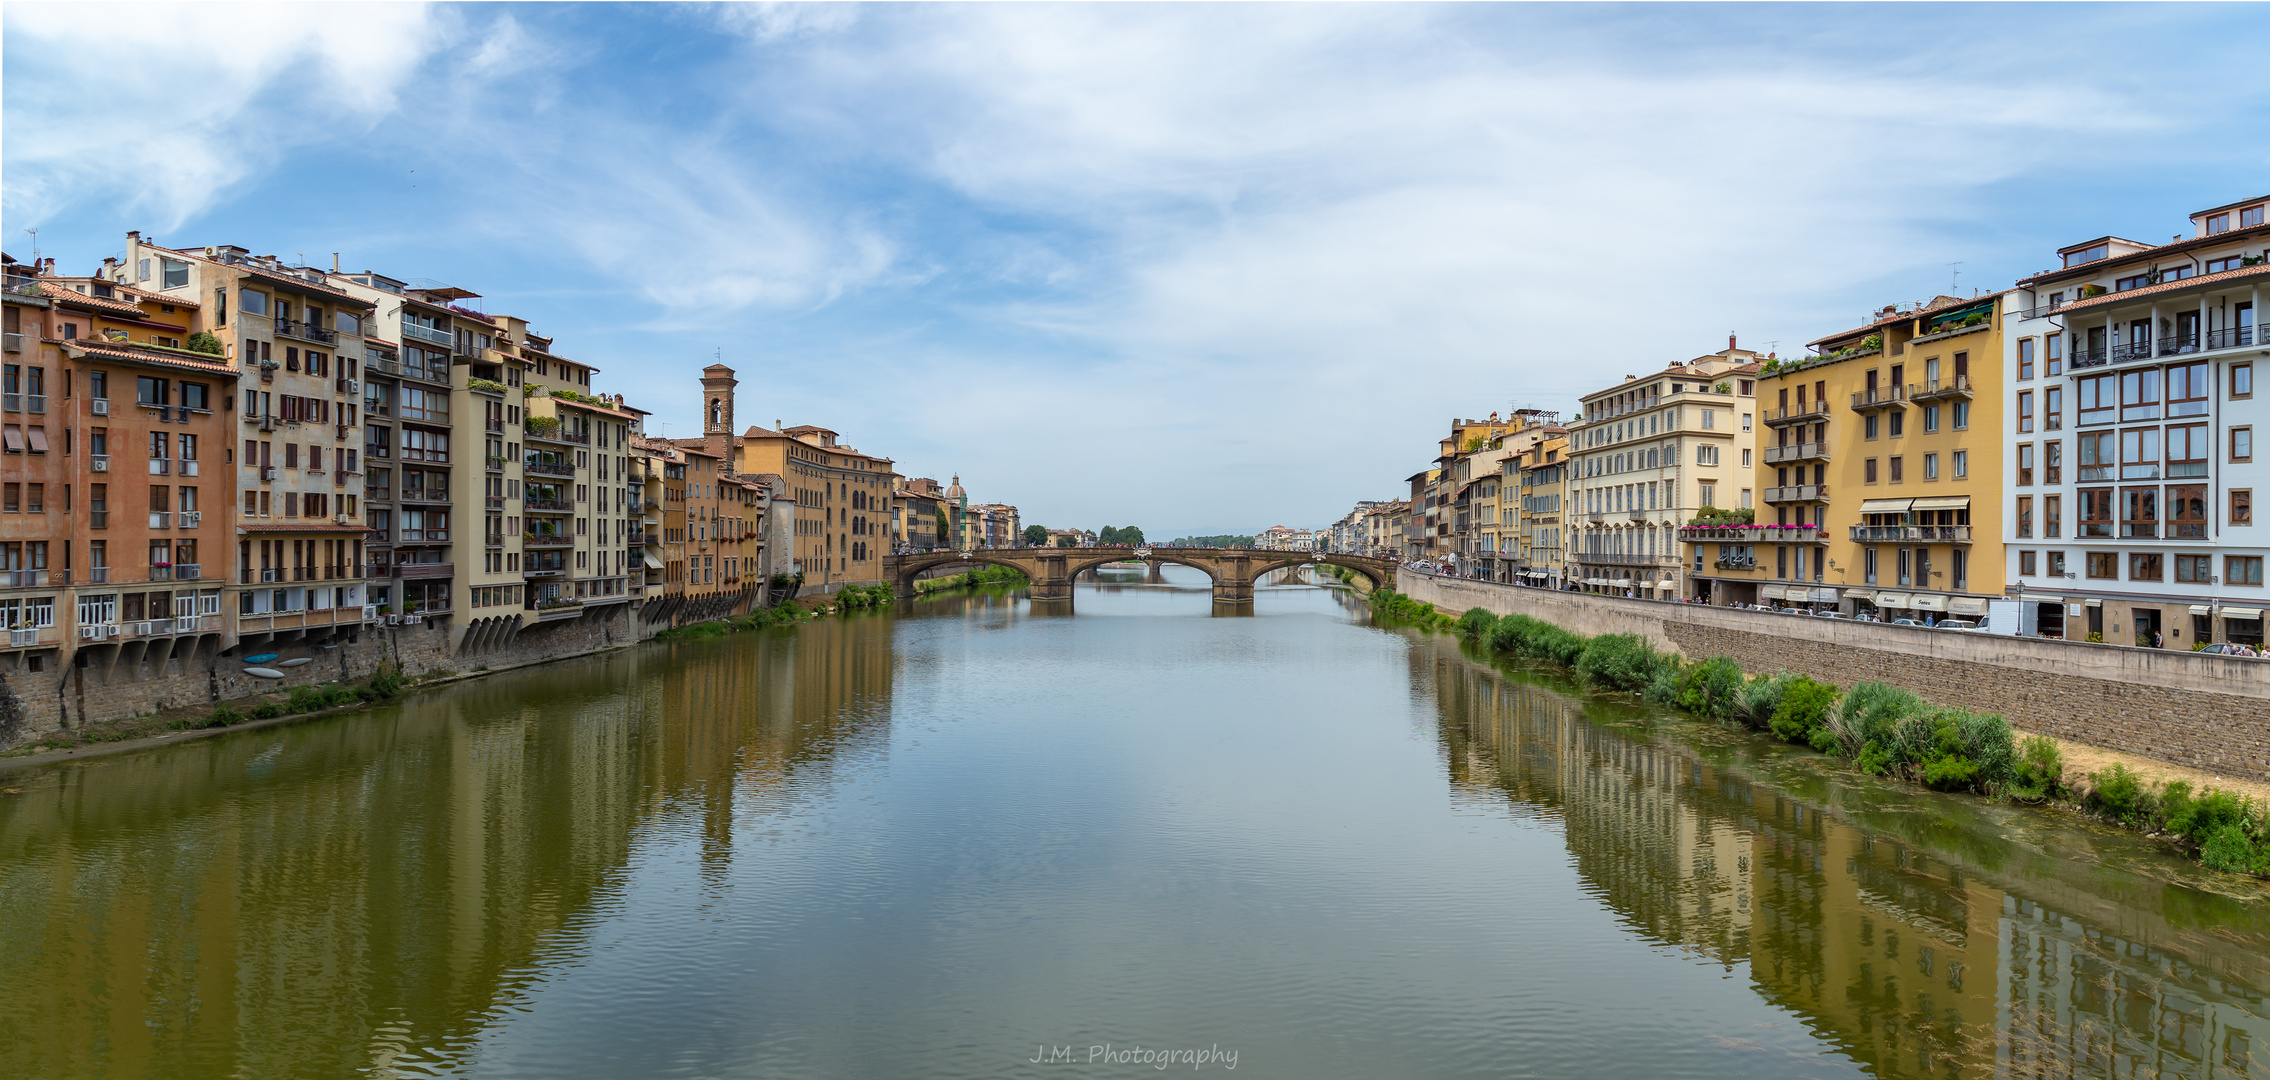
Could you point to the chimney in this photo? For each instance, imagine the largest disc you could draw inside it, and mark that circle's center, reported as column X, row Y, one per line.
column 1730, row 341
column 133, row 236
column 334, row 262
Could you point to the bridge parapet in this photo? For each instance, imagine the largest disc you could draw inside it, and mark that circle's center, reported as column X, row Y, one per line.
column 1051, row 570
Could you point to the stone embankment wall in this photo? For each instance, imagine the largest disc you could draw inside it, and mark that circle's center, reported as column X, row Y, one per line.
column 117, row 685
column 2205, row 712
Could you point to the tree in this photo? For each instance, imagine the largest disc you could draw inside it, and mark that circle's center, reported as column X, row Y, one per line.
column 1036, row 536
column 1063, row 541
column 1473, row 443
column 1114, row 536
column 945, row 531
column 205, row 343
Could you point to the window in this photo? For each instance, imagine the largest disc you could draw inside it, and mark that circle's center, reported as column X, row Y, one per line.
column 2139, row 513
column 2220, row 223
column 2025, row 464
column 1898, row 424
column 2096, row 513
column 2242, row 444
column 2194, row 569
column 2097, row 460
column 2242, row 506
column 2057, row 564
column 2025, row 517
column 1710, row 419
column 1869, row 426
column 2140, row 395
column 176, row 273
column 2053, row 462
column 2025, row 358
column 2144, row 566
column 1706, row 455
column 1931, row 466
column 2104, row 564
column 2026, row 411
column 253, row 303
column 2053, row 515
column 2053, row 408
column 1868, row 470
column 2250, row 217
column 2026, row 564
column 1895, row 463
column 2188, row 388
column 1962, row 415
column 2140, row 454
column 2242, row 380
column 2187, row 512
column 2086, row 255
column 2241, row 569
column 1745, row 421
column 2187, row 452
column 1930, row 418
column 1962, row 463
column 2099, row 399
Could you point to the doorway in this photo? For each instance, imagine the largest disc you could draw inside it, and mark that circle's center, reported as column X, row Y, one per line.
column 2147, row 627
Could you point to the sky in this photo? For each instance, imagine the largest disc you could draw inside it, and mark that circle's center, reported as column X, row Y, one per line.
column 1197, row 268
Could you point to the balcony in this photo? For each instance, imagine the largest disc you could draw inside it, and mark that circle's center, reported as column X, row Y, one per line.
column 160, row 519
column 1911, row 534
column 1727, row 562
column 13, row 342
column 98, row 519
column 1882, row 397
column 414, row 332
column 24, row 579
column 2236, row 337
column 423, row 571
column 550, row 610
column 1749, row 534
column 547, row 540
column 1940, row 390
column 548, row 506
column 1801, row 451
column 1795, row 493
column 271, row 621
column 1802, row 414
column 34, row 637
column 188, row 571
column 98, row 575
column 546, row 468
column 1628, row 560
column 305, row 331
column 161, row 466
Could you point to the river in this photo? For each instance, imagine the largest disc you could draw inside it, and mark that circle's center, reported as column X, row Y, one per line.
column 971, row 840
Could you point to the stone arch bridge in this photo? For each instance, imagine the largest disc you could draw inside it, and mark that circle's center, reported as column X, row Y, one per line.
column 1233, row 570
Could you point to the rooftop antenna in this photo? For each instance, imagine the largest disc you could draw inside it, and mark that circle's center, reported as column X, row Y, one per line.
column 1955, row 279
column 35, row 245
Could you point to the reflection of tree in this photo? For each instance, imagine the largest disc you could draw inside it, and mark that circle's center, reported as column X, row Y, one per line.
column 1908, row 941
column 367, row 893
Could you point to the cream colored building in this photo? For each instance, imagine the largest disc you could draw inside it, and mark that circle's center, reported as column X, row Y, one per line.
column 1647, row 454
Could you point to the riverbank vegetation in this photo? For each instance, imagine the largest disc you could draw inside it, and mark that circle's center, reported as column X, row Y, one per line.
column 843, row 601
column 983, row 575
column 1883, row 729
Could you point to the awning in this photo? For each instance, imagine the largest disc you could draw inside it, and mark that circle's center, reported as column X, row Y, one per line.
column 1929, row 602
column 39, row 440
column 1966, row 605
column 15, row 439
column 652, row 563
column 2242, row 613
column 2092, row 603
column 2199, row 609
column 1824, row 596
column 1861, row 594
column 1943, row 502
column 2041, row 598
column 1891, row 599
column 1885, row 506
column 1772, row 592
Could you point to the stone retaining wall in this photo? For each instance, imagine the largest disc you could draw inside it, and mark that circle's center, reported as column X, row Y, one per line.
column 2205, row 712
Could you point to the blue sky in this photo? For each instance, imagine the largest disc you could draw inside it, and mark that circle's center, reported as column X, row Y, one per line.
column 1200, row 268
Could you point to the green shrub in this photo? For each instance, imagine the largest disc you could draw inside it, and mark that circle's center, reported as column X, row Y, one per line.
column 1869, row 714
column 1476, row 623
column 309, row 698
column 268, row 710
column 2120, row 795
column 1802, row 714
column 2198, row 819
column 1623, row 662
column 1761, row 698
column 223, row 715
column 1712, row 688
column 2040, row 771
column 2229, row 849
column 386, row 685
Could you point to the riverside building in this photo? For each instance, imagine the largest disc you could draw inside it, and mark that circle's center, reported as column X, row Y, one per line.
column 2131, row 475
column 1646, row 455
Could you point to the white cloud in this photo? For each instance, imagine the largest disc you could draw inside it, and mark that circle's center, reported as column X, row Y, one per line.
column 162, row 107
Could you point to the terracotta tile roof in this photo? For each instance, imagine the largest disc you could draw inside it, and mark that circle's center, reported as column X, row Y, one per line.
column 160, row 298
column 57, row 291
column 1942, row 303
column 2165, row 286
column 2156, row 251
column 146, row 354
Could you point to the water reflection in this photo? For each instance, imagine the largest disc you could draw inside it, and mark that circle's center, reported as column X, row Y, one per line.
column 1925, row 936
column 369, row 893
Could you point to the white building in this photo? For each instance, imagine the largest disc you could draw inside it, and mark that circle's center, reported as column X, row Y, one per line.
column 2136, row 456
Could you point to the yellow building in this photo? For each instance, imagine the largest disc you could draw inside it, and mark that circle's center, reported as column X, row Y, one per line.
column 1880, row 472
column 1536, row 487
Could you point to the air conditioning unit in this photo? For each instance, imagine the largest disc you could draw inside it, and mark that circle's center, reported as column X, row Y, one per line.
column 161, row 466
column 188, row 468
column 100, row 463
column 191, row 518
column 353, row 386
column 340, row 519
column 267, row 472
column 99, row 406
column 141, row 629
column 268, row 422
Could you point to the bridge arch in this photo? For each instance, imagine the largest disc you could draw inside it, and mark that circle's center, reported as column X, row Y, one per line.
column 913, row 566
column 1074, row 570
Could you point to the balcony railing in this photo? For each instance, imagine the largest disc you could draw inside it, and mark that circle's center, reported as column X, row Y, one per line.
column 1911, row 534
column 1629, row 560
column 98, row 519
column 2234, row 337
column 1940, row 389
column 556, row 506
column 1802, row 414
column 428, row 334
column 1882, row 397
column 13, row 342
column 1726, row 563
column 1750, row 534
column 305, row 331
column 26, row 579
column 2130, row 352
column 1797, row 493
column 1801, row 451
column 547, row 540
column 546, row 468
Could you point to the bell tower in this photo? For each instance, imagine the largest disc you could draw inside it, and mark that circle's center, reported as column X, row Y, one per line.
column 717, row 383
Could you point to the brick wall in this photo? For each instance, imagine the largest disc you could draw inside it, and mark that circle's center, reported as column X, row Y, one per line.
column 2205, row 712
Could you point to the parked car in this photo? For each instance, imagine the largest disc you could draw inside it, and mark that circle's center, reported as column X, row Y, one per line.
column 1961, row 624
column 1907, row 622
column 2224, row 648
column 1829, row 613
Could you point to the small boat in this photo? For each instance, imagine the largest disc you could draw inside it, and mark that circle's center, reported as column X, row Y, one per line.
column 264, row 672
column 297, row 661
column 262, row 658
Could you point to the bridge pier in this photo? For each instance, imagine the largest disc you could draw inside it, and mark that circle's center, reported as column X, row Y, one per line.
column 1049, row 579
column 1158, row 577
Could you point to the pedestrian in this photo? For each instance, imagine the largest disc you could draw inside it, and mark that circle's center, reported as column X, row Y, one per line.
column 2158, row 642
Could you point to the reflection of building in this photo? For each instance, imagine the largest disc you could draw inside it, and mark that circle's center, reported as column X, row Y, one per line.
column 1920, row 944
